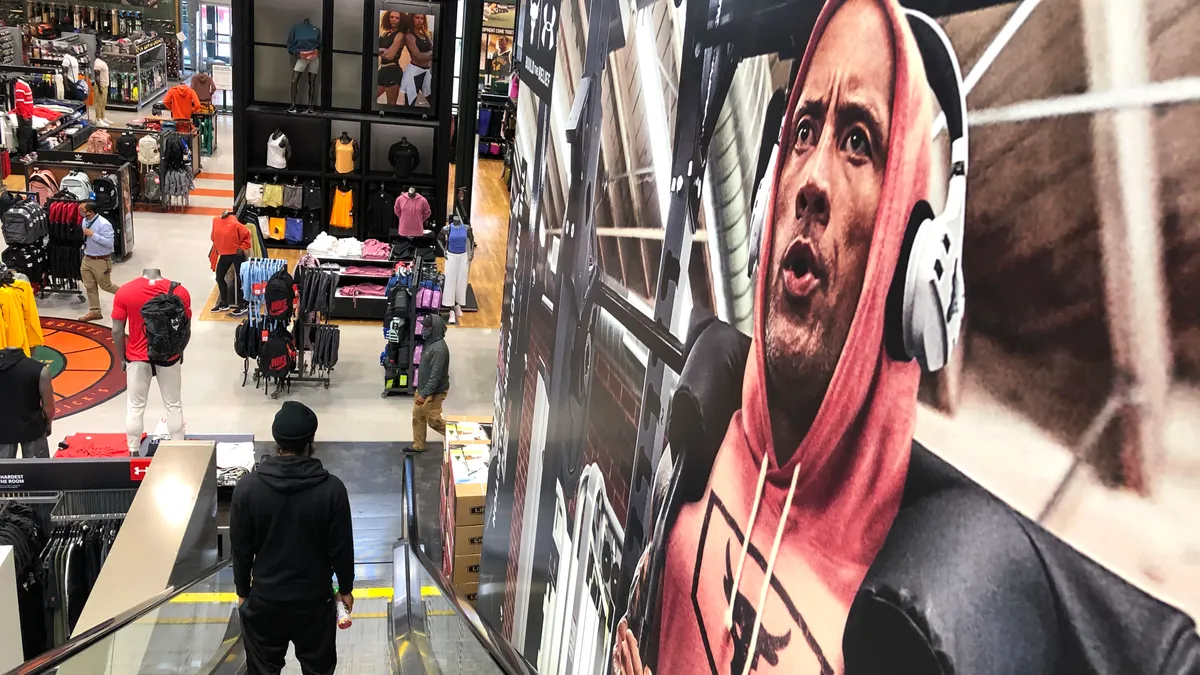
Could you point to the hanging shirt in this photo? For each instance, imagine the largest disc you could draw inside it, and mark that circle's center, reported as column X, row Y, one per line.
column 343, row 155
column 272, row 195
column 20, row 325
column 21, row 417
column 182, row 101
column 381, row 214
column 276, row 227
column 412, row 212
column 127, row 307
column 342, row 214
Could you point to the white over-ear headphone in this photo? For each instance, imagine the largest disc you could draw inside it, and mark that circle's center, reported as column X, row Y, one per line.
column 927, row 298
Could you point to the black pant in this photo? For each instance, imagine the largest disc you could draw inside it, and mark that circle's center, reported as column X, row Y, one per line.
column 268, row 627
column 223, row 264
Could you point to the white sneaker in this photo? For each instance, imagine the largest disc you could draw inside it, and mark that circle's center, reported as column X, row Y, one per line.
column 453, row 320
column 102, row 123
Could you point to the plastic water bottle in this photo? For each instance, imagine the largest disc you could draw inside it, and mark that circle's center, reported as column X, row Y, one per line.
column 343, row 616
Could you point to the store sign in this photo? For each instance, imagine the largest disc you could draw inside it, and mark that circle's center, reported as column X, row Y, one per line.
column 539, row 35
column 138, row 466
column 222, row 76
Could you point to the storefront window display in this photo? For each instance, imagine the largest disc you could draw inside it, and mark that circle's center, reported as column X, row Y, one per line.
column 405, row 57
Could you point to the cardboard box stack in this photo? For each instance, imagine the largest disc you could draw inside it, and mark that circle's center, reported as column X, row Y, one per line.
column 464, row 496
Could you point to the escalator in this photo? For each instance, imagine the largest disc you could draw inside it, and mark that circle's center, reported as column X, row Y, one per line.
column 412, row 623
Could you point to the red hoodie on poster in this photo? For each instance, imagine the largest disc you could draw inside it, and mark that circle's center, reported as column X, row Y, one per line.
column 814, row 515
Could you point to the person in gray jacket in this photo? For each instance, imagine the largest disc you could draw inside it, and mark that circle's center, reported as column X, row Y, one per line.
column 433, row 381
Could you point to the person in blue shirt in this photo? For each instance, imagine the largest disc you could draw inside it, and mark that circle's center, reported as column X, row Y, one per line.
column 96, row 269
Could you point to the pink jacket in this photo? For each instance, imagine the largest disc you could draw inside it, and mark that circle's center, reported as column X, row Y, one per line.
column 412, row 212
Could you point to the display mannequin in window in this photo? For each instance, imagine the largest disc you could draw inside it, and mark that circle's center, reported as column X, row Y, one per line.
column 459, row 241
column 393, row 31
column 412, row 210
column 304, row 44
column 420, row 53
column 279, row 150
column 135, row 350
column 404, row 158
column 343, row 152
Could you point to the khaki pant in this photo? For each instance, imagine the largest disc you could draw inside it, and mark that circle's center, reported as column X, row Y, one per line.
column 100, row 100
column 96, row 273
column 429, row 414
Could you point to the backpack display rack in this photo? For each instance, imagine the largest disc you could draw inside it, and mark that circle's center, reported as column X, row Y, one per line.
column 149, row 178
column 65, row 250
column 258, row 328
column 108, row 179
column 412, row 292
column 26, row 251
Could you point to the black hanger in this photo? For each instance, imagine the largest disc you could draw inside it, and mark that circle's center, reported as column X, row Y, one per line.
column 306, row 20
column 226, row 214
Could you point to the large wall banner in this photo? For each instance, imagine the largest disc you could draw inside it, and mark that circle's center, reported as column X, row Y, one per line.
column 843, row 338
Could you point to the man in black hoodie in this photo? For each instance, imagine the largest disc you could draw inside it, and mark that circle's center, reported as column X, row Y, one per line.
column 291, row 533
column 433, row 381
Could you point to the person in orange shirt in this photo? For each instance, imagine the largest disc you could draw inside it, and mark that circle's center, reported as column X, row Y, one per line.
column 230, row 241
column 182, row 101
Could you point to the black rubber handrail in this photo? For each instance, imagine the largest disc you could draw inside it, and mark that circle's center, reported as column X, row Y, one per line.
column 92, row 636
column 498, row 647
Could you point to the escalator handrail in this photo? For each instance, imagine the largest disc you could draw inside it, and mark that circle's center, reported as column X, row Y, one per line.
column 498, row 647
column 46, row 662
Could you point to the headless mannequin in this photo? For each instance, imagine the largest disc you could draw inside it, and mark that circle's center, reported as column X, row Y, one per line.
column 139, row 376
column 456, row 312
column 287, row 147
column 343, row 139
column 312, row 88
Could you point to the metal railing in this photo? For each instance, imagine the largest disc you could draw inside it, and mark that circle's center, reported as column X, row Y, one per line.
column 409, row 641
column 80, row 643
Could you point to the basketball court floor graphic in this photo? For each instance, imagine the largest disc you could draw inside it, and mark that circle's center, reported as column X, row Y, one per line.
column 82, row 363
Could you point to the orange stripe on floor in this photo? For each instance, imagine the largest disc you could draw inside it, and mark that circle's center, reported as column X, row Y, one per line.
column 189, row 211
column 210, row 192
column 215, row 176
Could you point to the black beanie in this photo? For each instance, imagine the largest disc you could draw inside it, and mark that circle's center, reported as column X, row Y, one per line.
column 295, row 426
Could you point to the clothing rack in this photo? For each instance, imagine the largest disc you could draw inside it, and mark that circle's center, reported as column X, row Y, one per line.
column 60, row 285
column 92, row 505
column 302, row 327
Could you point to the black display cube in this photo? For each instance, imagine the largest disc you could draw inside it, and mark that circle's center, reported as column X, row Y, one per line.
column 349, row 97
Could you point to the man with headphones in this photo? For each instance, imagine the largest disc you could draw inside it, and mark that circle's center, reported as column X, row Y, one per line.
column 797, row 526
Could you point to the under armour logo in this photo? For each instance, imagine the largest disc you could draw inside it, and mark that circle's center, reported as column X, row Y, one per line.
column 767, row 647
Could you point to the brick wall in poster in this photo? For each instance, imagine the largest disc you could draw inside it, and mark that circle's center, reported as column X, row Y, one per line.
column 615, row 403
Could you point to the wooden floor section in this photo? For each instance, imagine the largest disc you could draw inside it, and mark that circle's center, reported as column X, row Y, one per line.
column 489, row 220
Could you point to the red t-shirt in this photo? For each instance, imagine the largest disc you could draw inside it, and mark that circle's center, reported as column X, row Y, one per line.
column 127, row 307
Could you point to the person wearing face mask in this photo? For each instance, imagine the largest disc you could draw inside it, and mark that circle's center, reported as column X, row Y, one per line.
column 797, row 526
column 433, row 381
column 96, row 270
column 291, row 532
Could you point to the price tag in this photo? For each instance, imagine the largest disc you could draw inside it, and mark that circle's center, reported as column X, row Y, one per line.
column 259, row 288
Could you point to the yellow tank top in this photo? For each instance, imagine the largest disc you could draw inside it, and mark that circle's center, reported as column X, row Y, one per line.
column 342, row 214
column 343, row 156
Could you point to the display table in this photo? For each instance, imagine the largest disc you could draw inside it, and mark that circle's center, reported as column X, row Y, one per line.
column 464, row 500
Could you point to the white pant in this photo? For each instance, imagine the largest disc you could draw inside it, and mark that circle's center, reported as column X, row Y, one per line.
column 458, row 267
column 137, row 385
column 408, row 84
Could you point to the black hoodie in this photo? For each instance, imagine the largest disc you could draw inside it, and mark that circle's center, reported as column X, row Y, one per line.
column 290, row 527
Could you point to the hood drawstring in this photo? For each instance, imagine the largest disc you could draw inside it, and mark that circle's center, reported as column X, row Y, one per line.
column 770, row 571
column 737, row 577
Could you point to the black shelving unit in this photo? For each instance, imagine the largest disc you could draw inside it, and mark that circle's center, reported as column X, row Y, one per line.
column 345, row 100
